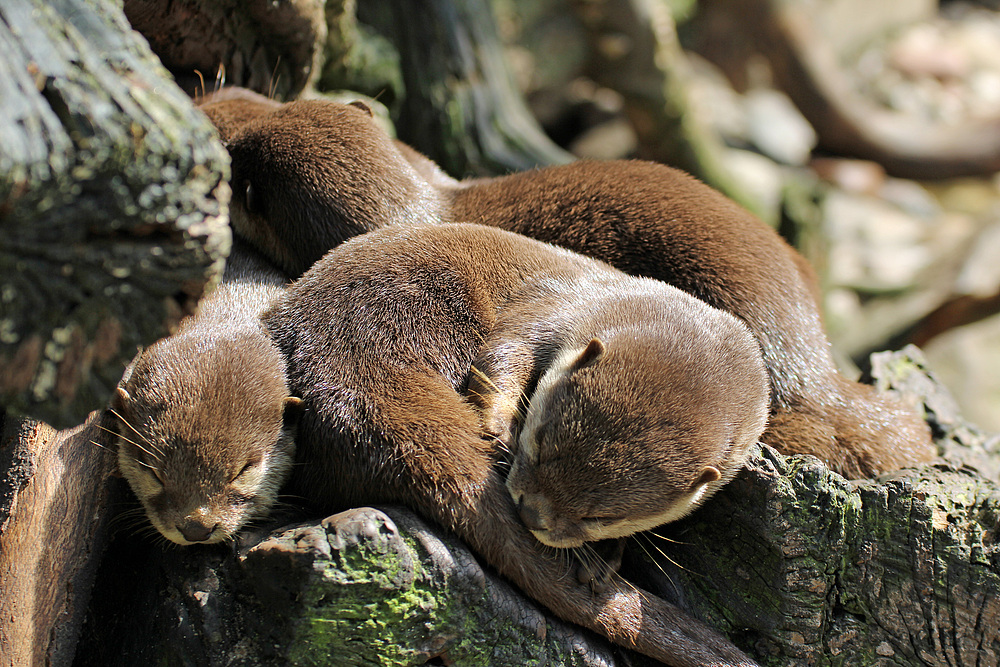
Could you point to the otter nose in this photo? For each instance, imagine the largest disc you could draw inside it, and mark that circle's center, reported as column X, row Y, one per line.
column 196, row 531
column 530, row 515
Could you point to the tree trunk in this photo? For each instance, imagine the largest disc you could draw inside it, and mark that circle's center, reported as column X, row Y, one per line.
column 650, row 70
column 113, row 199
column 54, row 514
column 461, row 108
column 113, row 203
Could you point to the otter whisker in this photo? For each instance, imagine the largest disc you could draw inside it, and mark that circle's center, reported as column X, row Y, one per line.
column 131, row 442
column 157, row 450
column 272, row 85
column 147, row 465
column 671, row 540
column 105, row 447
column 515, row 403
column 220, row 77
column 665, row 556
column 201, row 79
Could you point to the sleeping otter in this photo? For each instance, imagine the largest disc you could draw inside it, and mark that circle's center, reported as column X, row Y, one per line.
column 307, row 175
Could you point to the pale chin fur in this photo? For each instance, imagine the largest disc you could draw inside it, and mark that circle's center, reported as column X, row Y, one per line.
column 627, row 527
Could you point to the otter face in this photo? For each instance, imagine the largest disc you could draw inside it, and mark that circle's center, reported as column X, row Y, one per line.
column 625, row 437
column 204, row 460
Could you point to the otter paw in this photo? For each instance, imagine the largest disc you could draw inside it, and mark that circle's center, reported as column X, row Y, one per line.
column 598, row 562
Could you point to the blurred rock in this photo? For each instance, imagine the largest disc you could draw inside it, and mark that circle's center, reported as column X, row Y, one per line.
column 944, row 68
column 612, row 140
column 856, row 176
column 777, row 128
column 762, row 178
column 966, row 360
column 874, row 247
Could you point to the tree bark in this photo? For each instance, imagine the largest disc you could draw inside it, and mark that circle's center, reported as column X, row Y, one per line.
column 113, row 201
column 461, row 108
column 54, row 516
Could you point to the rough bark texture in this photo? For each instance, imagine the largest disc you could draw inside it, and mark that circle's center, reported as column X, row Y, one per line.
column 113, row 204
column 366, row 586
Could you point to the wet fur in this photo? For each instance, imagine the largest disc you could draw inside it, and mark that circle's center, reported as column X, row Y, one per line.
column 335, row 173
column 379, row 338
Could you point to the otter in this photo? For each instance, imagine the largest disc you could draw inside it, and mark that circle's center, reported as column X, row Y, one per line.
column 379, row 338
column 205, row 421
column 639, row 402
column 307, row 175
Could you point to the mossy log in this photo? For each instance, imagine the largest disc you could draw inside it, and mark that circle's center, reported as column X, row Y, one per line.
column 113, row 205
column 794, row 563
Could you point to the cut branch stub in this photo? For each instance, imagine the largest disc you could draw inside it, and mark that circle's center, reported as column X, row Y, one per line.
column 113, row 204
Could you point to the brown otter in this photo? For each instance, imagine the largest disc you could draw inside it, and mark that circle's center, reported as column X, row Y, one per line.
column 379, row 337
column 641, row 401
column 310, row 174
column 206, row 422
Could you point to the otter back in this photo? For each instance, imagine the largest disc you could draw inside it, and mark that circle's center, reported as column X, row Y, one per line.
column 379, row 338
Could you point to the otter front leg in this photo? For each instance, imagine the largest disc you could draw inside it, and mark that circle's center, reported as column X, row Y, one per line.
column 498, row 384
column 598, row 562
column 451, row 478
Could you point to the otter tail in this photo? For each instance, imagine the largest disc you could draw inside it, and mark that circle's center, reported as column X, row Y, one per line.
column 861, row 432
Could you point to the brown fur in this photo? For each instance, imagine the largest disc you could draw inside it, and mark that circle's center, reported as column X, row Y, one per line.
column 639, row 402
column 205, row 418
column 379, row 338
column 334, row 173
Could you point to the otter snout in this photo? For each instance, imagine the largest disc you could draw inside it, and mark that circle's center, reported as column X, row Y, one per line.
column 540, row 516
column 534, row 510
column 195, row 530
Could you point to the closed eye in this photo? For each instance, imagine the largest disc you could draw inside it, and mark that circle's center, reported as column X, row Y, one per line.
column 252, row 463
column 599, row 520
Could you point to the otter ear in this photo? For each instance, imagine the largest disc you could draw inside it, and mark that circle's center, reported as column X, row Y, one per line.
column 590, row 355
column 292, row 408
column 361, row 105
column 121, row 403
column 708, row 475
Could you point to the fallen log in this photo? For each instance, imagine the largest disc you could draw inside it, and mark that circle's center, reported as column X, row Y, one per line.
column 113, row 205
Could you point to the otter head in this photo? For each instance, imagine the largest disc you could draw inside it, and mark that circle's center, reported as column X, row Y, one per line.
column 624, row 436
column 310, row 174
column 206, row 434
